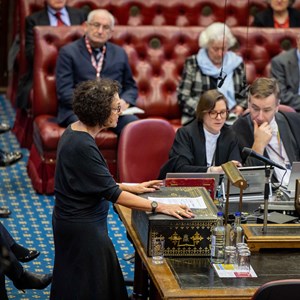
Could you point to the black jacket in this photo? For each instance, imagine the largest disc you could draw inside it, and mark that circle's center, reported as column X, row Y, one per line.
column 265, row 18
column 188, row 153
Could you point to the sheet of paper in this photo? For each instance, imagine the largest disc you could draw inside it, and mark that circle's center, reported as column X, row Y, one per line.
column 228, row 271
column 133, row 110
column 193, row 203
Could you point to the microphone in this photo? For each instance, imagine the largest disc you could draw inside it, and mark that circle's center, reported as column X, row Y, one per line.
column 222, row 79
column 267, row 161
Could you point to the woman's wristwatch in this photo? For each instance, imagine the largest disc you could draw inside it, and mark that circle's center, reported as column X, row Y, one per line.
column 154, row 205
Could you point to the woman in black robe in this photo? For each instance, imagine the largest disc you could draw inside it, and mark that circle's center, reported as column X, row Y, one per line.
column 205, row 143
column 86, row 265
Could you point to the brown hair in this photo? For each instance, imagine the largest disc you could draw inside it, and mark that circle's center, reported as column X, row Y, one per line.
column 207, row 103
column 263, row 87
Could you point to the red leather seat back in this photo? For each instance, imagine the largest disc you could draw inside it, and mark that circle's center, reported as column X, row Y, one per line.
column 286, row 108
column 143, row 148
column 48, row 41
column 278, row 289
column 258, row 47
column 155, row 12
column 156, row 55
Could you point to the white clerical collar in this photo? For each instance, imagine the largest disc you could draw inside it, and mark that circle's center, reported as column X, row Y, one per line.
column 209, row 135
column 210, row 146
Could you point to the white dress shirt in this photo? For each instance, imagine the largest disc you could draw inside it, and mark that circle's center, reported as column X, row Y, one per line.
column 210, row 146
column 277, row 153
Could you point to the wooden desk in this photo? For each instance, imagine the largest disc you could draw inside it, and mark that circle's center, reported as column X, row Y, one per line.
column 163, row 283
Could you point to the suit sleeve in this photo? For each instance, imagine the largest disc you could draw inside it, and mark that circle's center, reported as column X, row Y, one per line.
column 129, row 90
column 257, row 22
column 29, row 40
column 234, row 151
column 287, row 95
column 264, row 18
column 64, row 78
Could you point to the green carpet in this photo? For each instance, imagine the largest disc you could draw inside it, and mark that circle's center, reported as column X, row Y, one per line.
column 30, row 221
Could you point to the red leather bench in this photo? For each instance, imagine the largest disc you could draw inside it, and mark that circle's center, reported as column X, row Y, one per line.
column 156, row 55
column 151, row 12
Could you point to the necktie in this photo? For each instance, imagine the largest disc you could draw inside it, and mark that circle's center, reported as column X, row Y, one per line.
column 59, row 20
column 97, row 52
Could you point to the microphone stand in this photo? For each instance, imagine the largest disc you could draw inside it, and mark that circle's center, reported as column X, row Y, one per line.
column 266, row 196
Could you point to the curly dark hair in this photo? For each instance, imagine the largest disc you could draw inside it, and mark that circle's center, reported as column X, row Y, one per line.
column 92, row 100
column 208, row 102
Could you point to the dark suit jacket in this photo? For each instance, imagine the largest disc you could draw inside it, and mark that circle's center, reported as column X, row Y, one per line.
column 265, row 18
column 40, row 18
column 74, row 66
column 288, row 125
column 284, row 67
column 188, row 153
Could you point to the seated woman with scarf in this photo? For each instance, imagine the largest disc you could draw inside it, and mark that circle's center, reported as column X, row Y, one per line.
column 213, row 67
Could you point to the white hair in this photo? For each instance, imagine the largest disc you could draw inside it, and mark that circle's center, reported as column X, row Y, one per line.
column 216, row 32
column 102, row 12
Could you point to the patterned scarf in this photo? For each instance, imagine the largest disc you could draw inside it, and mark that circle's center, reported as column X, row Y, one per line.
column 230, row 62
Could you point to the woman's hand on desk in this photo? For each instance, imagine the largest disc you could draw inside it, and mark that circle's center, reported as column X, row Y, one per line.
column 144, row 187
column 177, row 210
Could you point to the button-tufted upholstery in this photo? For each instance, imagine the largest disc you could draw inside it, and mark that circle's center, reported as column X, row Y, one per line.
column 46, row 131
column 150, row 12
column 25, row 8
column 155, row 12
column 257, row 47
column 156, row 55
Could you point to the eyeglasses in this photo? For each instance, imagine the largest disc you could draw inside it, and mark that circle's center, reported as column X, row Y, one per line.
column 98, row 26
column 214, row 114
column 255, row 109
column 117, row 109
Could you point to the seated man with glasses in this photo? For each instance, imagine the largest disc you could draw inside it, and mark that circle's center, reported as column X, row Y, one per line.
column 267, row 131
column 92, row 57
column 205, row 143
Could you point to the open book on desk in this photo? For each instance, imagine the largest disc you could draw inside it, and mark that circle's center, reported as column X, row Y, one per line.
column 132, row 111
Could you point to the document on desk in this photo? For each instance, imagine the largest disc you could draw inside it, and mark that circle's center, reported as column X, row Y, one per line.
column 193, row 203
column 229, row 271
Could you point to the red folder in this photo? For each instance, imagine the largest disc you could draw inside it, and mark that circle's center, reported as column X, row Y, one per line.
column 208, row 183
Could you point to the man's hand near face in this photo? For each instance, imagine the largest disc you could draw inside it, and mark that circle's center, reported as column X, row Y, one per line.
column 262, row 136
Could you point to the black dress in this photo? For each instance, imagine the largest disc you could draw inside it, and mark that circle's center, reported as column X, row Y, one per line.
column 86, row 265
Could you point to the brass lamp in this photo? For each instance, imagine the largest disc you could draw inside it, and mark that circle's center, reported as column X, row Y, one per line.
column 236, row 179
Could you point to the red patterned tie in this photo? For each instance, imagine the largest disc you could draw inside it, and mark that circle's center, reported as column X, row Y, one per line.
column 59, row 20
